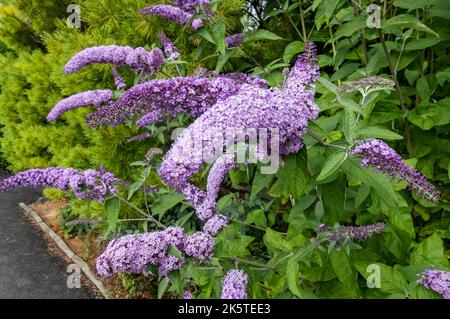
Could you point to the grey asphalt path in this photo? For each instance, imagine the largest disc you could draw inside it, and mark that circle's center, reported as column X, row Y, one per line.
column 27, row 268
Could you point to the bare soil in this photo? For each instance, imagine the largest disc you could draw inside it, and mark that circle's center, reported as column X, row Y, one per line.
column 88, row 247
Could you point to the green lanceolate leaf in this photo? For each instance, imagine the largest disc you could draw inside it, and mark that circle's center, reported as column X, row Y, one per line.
column 384, row 277
column 291, row 50
column 162, row 287
column 112, row 208
column 292, row 177
column 379, row 182
column 219, row 33
column 260, row 181
column 430, row 251
column 257, row 217
column 332, row 165
column 350, row 28
column 166, row 202
column 403, row 21
column 350, row 126
column 293, row 278
column 274, row 240
column 343, row 269
column 261, row 34
column 379, row 132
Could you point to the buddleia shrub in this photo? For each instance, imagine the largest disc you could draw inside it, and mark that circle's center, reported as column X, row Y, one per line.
column 346, row 215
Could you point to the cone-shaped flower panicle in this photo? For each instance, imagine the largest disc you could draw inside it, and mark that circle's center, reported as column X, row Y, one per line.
column 139, row 60
column 382, row 158
column 90, row 184
column 170, row 50
column 190, row 5
column 118, row 80
column 153, row 100
column 88, row 98
column 134, row 253
column 173, row 14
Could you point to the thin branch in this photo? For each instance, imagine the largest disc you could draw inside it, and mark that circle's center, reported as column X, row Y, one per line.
column 319, row 140
column 151, row 218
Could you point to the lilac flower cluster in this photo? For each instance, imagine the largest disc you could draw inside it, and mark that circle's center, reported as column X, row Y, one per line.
column 234, row 285
column 252, row 107
column 351, row 232
column 234, row 40
column 90, row 184
column 133, row 253
column 173, row 14
column 156, row 98
column 118, row 80
column 139, row 59
column 437, row 280
column 300, row 81
column 187, row 295
column 378, row 155
column 170, row 50
column 200, row 245
column 215, row 224
column 190, row 5
column 95, row 97
column 218, row 172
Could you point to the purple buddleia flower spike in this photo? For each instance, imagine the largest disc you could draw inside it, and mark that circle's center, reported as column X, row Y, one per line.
column 234, row 285
column 252, row 108
column 118, row 80
column 134, row 253
column 300, row 81
column 234, row 40
column 139, row 59
column 437, row 280
column 215, row 224
column 170, row 50
column 90, row 185
column 382, row 158
column 88, row 98
column 218, row 171
column 173, row 14
column 154, row 99
column 190, row 5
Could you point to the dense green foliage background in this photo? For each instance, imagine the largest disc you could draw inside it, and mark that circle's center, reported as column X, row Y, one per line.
column 411, row 47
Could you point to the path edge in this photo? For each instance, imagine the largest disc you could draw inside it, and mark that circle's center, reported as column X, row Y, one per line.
column 63, row 246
